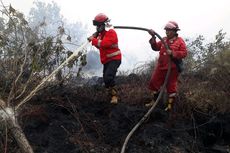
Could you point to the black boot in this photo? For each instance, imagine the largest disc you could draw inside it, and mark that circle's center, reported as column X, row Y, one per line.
column 155, row 96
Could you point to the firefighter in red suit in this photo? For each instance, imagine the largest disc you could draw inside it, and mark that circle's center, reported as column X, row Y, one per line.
column 176, row 52
column 110, row 55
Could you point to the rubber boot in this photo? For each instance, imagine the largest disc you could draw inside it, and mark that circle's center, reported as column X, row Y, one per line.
column 172, row 113
column 114, row 98
column 155, row 96
column 170, row 104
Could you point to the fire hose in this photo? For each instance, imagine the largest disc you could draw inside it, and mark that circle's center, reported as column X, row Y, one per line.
column 161, row 91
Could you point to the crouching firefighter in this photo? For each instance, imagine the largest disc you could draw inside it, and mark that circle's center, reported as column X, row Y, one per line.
column 105, row 39
column 177, row 52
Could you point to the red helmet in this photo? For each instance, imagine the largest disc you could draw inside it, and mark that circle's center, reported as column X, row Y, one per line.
column 172, row 25
column 100, row 19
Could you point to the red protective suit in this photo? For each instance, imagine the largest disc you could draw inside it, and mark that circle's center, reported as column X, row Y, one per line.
column 179, row 51
column 107, row 43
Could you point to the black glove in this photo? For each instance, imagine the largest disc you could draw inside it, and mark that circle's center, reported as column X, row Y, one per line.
column 94, row 35
column 151, row 32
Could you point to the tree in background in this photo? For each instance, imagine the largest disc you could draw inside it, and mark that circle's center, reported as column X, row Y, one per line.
column 30, row 51
column 46, row 19
column 207, row 75
column 201, row 54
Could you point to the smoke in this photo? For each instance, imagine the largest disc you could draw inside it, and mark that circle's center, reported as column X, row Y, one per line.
column 93, row 66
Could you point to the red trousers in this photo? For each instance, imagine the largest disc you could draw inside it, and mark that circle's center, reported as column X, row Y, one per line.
column 158, row 77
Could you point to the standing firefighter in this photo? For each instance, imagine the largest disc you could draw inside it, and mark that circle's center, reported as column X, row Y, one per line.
column 176, row 52
column 107, row 43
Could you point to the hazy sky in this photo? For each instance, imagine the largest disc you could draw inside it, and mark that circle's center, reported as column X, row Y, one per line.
column 205, row 17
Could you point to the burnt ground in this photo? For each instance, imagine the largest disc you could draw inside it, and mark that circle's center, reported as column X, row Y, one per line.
column 67, row 119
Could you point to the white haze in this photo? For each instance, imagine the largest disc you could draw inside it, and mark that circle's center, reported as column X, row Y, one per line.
column 195, row 17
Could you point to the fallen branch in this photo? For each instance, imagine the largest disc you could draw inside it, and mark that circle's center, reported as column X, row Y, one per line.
column 38, row 87
column 8, row 117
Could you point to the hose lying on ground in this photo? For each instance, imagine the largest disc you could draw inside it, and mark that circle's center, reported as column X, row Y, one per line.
column 161, row 91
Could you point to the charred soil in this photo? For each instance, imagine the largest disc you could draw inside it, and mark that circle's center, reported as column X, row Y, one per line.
column 71, row 119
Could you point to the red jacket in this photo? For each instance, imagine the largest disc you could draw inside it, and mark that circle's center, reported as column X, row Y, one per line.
column 107, row 43
column 177, row 46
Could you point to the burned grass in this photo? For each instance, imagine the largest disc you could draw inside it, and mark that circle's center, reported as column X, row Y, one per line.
column 80, row 119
